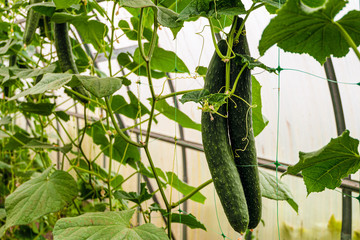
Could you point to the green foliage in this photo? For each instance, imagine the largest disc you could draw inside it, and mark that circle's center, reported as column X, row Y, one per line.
column 209, row 8
column 87, row 200
column 326, row 167
column 259, row 120
column 176, row 115
column 166, row 61
column 39, row 196
column 312, row 31
column 106, row 225
column 175, row 182
column 273, row 188
column 133, row 196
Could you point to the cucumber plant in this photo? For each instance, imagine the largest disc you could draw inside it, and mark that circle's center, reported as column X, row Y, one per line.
column 41, row 201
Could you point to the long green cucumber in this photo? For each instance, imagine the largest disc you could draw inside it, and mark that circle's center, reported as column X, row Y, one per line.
column 218, row 151
column 242, row 135
column 32, row 21
column 65, row 55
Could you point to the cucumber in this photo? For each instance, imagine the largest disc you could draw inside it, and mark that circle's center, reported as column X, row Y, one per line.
column 218, row 150
column 32, row 21
column 65, row 55
column 240, row 126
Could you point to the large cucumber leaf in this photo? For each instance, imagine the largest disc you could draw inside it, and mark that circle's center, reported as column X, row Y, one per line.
column 305, row 28
column 326, row 167
column 106, row 225
column 39, row 196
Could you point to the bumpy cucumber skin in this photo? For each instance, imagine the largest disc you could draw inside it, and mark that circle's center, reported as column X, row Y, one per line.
column 32, row 21
column 245, row 160
column 218, row 151
column 65, row 55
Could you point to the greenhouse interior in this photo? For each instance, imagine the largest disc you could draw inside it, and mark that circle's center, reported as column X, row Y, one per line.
column 179, row 119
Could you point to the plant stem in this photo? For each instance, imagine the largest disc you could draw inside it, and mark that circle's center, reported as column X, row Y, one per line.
column 192, row 193
column 214, row 40
column 112, row 38
column 177, row 93
column 118, row 130
column 140, row 35
column 87, row 171
column 156, row 176
column 348, row 39
column 109, row 173
column 237, row 78
column 82, row 96
column 252, row 8
column 228, row 53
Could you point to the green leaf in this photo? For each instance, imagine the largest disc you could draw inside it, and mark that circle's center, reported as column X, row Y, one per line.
column 19, row 139
column 196, row 96
column 130, row 110
column 184, row 188
column 273, row 188
column 176, row 115
column 61, row 4
column 315, row 4
column 62, row 115
column 163, row 60
column 44, row 109
column 301, row 30
column 183, row 218
column 93, row 32
column 63, row 17
column 2, row 213
column 201, row 70
column 149, row 173
column 259, row 120
column 351, row 23
column 100, row 87
column 106, row 225
column 253, row 63
column 207, row 8
column 5, row 166
column 272, row 5
column 123, row 152
column 3, row 135
column 39, row 196
column 9, row 44
column 5, row 120
column 133, row 196
column 35, row 144
column 125, row 61
column 187, row 219
column 24, row 73
column 137, row 3
column 94, row 167
column 326, row 167
column 168, row 18
column 50, row 81
column 45, row 8
column 175, row 5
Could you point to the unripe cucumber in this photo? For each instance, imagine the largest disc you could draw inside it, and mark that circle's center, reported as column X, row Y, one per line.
column 218, row 150
column 65, row 55
column 242, row 135
column 32, row 21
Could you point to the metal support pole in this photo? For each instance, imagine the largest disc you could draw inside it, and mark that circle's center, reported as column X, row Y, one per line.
column 340, row 126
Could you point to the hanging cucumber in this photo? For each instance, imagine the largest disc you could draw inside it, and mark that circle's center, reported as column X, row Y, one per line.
column 65, row 55
column 242, row 135
column 32, row 21
column 218, row 151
